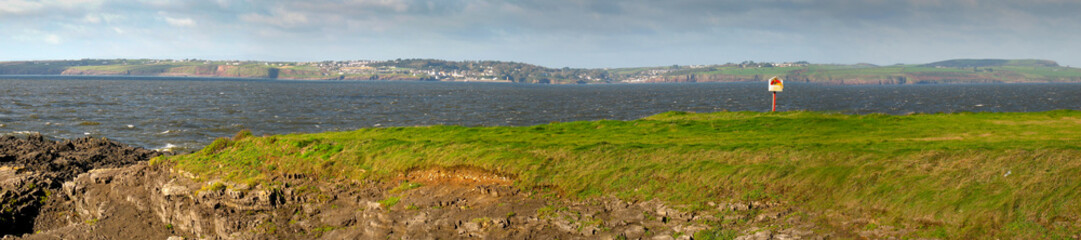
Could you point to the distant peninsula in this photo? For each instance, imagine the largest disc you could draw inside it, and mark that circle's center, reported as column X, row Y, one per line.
column 950, row 71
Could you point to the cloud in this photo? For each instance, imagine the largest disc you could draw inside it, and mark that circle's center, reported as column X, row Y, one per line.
column 52, row 39
column 180, row 22
column 24, row 7
column 570, row 32
column 18, row 6
column 92, row 19
column 279, row 18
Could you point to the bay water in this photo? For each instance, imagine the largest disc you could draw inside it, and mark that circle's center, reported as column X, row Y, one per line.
column 187, row 113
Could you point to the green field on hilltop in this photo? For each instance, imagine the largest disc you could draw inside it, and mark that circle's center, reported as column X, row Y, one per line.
column 950, row 71
column 184, row 68
column 964, row 175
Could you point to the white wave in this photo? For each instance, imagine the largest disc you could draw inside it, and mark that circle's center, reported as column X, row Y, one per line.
column 21, row 133
column 169, row 131
column 167, row 148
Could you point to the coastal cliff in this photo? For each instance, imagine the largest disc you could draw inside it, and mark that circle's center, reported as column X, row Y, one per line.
column 113, row 192
column 676, row 175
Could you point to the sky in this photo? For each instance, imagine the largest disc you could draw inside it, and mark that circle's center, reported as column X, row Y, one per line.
column 552, row 33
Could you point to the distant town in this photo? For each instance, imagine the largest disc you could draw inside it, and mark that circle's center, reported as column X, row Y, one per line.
column 950, row 71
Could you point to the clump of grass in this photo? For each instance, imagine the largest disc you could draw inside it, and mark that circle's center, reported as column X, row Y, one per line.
column 242, row 135
column 269, row 227
column 156, row 160
column 390, row 201
column 716, row 234
column 406, row 185
column 214, row 187
column 319, row 231
column 216, row 146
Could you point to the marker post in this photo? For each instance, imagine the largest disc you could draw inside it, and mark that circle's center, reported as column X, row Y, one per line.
column 774, row 101
column 775, row 85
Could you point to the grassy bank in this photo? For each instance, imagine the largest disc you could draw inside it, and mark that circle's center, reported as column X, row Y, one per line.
column 967, row 175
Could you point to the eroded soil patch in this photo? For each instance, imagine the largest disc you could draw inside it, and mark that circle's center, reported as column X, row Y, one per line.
column 458, row 175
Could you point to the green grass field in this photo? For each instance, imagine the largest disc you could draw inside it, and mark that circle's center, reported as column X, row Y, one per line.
column 966, row 175
column 134, row 69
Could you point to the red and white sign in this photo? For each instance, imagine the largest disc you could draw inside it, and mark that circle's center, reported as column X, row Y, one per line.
column 776, row 84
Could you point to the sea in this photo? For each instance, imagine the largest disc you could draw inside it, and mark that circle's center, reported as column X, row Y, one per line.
column 184, row 114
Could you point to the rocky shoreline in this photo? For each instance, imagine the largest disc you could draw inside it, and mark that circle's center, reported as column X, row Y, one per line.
column 93, row 188
column 32, row 170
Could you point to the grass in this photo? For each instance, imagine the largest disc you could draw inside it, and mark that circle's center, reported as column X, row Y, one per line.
column 405, row 186
column 946, row 174
column 390, row 201
column 716, row 234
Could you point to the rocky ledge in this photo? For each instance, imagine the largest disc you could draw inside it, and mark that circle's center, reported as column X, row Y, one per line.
column 92, row 188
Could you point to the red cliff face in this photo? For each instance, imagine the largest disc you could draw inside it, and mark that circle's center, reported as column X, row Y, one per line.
column 228, row 71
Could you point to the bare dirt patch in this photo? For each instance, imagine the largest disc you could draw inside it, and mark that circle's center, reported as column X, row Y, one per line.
column 458, row 175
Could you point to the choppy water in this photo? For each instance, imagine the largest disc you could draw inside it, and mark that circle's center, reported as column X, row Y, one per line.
column 189, row 113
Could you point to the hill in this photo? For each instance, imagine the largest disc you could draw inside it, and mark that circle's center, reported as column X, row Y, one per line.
column 407, row 69
column 968, row 63
column 950, row 71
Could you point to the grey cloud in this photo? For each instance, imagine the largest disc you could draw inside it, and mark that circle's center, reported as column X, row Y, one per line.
column 839, row 29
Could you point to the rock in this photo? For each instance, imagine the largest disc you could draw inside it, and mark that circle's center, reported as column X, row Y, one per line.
column 471, row 226
column 763, row 234
column 590, row 230
column 605, row 236
column 564, row 225
column 171, row 189
column 371, row 205
column 419, row 219
column 338, row 218
column 767, row 216
column 501, row 222
column 37, row 171
column 662, row 237
column 634, row 232
column 782, row 236
column 689, row 229
column 739, row 207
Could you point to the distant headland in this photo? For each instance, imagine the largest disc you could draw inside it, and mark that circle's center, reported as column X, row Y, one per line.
column 949, row 71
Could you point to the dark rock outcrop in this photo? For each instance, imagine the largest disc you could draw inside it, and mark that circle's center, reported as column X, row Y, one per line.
column 33, row 169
